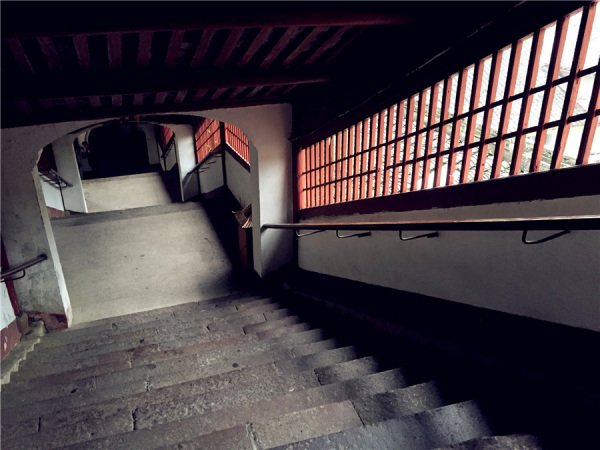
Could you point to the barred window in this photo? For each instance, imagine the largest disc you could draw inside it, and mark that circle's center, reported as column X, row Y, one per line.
column 529, row 107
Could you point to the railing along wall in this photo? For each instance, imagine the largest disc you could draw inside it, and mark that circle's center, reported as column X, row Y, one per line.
column 563, row 224
column 529, row 107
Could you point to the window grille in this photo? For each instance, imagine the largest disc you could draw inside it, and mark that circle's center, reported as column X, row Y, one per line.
column 235, row 138
column 208, row 138
column 529, row 107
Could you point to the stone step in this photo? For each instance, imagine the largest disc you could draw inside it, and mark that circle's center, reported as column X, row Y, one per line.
column 440, row 427
column 157, row 371
column 219, row 330
column 190, row 347
column 510, row 442
column 150, row 409
column 170, row 332
column 149, row 319
column 197, row 426
column 137, row 390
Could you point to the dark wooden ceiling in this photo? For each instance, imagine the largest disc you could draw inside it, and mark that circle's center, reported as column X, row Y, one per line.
column 78, row 60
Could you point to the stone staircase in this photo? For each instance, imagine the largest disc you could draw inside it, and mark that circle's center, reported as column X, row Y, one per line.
column 236, row 372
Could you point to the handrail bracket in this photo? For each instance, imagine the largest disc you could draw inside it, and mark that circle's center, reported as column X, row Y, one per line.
column 546, row 239
column 358, row 235
column 309, row 233
column 426, row 235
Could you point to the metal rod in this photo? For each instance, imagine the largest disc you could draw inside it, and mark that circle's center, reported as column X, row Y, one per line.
column 309, row 233
column 427, row 235
column 359, row 235
column 591, row 222
column 21, row 267
column 546, row 239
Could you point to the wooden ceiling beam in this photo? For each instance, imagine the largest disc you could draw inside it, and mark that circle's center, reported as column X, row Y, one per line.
column 49, row 50
column 84, row 85
column 19, row 54
column 56, row 19
column 115, row 50
column 174, row 46
column 83, row 52
column 232, row 40
column 144, row 49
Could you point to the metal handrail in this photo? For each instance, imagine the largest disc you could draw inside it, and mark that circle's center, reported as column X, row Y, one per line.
column 56, row 175
column 564, row 223
column 591, row 222
column 21, row 268
column 203, row 161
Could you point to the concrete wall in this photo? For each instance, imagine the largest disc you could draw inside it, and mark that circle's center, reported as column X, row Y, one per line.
column 557, row 281
column 238, row 180
column 151, row 143
column 210, row 176
column 268, row 129
column 25, row 224
column 66, row 166
column 186, row 156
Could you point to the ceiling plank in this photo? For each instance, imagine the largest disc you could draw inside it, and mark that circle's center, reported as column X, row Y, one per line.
column 232, row 40
column 83, row 52
column 279, row 46
column 95, row 101
column 174, row 46
column 199, row 94
column 19, row 53
column 47, row 104
column 254, row 91
column 87, row 84
column 333, row 40
column 49, row 50
column 117, row 101
column 218, row 93
column 71, row 103
column 138, row 99
column 202, row 48
column 144, row 49
column 115, row 50
column 258, row 41
column 160, row 98
column 271, row 91
column 180, row 96
column 308, row 40
column 24, row 107
column 237, row 91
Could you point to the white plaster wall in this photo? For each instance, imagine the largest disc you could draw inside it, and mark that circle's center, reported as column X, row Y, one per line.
column 558, row 281
column 211, row 175
column 7, row 315
column 51, row 194
column 268, row 129
column 151, row 143
column 186, row 156
column 66, row 166
column 238, row 180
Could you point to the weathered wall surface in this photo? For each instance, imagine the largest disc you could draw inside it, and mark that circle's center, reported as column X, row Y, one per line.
column 557, row 281
column 238, row 180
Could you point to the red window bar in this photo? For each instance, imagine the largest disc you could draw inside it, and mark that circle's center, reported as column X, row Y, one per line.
column 235, row 138
column 529, row 107
column 208, row 137
column 166, row 134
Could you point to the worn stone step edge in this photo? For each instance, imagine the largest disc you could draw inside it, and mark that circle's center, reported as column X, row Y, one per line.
column 139, row 320
column 155, row 335
column 160, row 373
column 429, row 429
column 67, row 413
column 47, row 366
column 126, row 359
column 270, row 408
column 511, row 441
column 160, row 324
column 112, row 366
